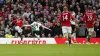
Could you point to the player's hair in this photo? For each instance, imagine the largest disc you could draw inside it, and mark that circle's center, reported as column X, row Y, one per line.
column 90, row 8
column 37, row 19
column 65, row 8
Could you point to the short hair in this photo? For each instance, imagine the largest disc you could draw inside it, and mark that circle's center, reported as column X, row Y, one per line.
column 90, row 8
column 65, row 8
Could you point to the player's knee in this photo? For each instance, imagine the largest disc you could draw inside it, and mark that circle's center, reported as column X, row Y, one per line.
column 65, row 35
column 69, row 35
column 90, row 33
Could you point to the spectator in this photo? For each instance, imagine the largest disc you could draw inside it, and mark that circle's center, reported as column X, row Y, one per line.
column 42, row 35
column 79, row 16
column 97, row 29
column 57, row 30
column 98, row 18
column 81, row 31
column 27, row 32
column 49, row 35
column 2, row 3
column 9, row 35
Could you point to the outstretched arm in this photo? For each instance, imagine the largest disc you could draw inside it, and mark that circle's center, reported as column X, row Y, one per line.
column 46, row 27
column 29, row 25
column 26, row 25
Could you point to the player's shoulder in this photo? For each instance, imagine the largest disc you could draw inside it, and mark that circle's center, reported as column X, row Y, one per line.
column 34, row 22
column 66, row 12
column 38, row 22
column 89, row 12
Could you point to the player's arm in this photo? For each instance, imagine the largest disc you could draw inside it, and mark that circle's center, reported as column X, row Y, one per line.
column 13, row 21
column 26, row 25
column 45, row 27
column 84, row 18
column 29, row 25
column 95, row 19
column 73, row 18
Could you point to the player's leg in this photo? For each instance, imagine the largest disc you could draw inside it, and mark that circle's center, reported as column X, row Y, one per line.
column 74, row 32
column 88, row 35
column 90, row 31
column 19, row 30
column 64, row 31
column 37, row 35
column 20, row 34
column 33, row 36
column 69, row 29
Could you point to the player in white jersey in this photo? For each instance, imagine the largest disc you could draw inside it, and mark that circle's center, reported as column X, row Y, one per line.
column 35, row 26
column 73, row 25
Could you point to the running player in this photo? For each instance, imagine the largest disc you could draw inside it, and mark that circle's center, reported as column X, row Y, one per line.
column 89, row 18
column 74, row 26
column 35, row 26
column 65, row 18
column 19, row 23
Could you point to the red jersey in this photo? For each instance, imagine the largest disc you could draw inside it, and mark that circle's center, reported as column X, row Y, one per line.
column 1, row 13
column 65, row 18
column 18, row 22
column 89, row 18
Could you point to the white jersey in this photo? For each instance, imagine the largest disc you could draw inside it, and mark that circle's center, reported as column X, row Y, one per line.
column 35, row 26
column 73, row 22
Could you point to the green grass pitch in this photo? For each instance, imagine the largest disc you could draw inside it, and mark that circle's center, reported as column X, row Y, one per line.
column 50, row 50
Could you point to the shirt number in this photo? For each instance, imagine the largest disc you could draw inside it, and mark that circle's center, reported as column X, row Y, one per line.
column 90, row 17
column 65, row 17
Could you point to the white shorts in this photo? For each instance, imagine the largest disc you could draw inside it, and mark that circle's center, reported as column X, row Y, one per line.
column 66, row 29
column 17, row 28
column 90, row 29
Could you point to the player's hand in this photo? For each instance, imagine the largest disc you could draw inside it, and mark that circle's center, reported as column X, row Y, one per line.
column 94, row 22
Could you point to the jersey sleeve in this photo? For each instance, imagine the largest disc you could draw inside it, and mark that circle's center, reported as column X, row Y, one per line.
column 22, row 22
column 39, row 24
column 32, row 23
column 84, row 18
column 72, row 17
column 13, row 21
column 94, row 17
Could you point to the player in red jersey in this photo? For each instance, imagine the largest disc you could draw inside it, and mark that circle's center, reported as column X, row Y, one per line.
column 65, row 18
column 19, row 23
column 89, row 18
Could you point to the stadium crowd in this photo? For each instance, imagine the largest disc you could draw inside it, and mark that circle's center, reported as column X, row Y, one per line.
column 48, row 11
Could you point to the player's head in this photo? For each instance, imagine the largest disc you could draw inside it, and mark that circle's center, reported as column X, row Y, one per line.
column 65, row 8
column 37, row 19
column 90, row 8
column 18, row 17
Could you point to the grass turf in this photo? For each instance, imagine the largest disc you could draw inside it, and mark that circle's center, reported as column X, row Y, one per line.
column 49, row 50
